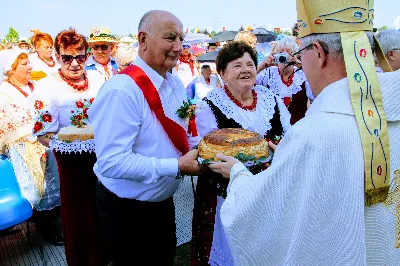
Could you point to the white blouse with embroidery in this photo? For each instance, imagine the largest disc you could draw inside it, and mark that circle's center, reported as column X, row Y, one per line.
column 258, row 121
column 56, row 104
column 271, row 79
column 39, row 65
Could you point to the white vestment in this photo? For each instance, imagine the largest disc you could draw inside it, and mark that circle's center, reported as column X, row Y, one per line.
column 308, row 207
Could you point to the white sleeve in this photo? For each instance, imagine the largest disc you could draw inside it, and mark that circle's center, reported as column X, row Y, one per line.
column 205, row 119
column 263, row 78
column 115, row 134
column 200, row 90
column 44, row 109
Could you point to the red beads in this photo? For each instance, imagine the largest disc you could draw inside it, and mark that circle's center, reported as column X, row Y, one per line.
column 249, row 107
column 82, row 87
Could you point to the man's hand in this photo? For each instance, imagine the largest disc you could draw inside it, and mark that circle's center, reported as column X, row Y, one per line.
column 188, row 164
column 224, row 167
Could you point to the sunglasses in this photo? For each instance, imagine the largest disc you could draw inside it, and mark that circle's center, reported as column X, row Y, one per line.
column 67, row 59
column 101, row 46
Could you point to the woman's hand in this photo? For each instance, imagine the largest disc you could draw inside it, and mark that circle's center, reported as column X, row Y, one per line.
column 224, row 167
column 272, row 146
column 45, row 139
column 268, row 62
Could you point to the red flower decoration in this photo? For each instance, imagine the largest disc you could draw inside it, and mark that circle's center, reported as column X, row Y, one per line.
column 47, row 118
column 38, row 105
column 79, row 104
column 78, row 117
column 287, row 101
column 37, row 127
column 91, row 100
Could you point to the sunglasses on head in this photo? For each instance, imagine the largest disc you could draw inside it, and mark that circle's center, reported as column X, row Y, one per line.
column 101, row 46
column 67, row 59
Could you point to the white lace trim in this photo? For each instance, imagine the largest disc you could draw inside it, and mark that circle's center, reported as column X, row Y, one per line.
column 259, row 120
column 75, row 147
column 276, row 85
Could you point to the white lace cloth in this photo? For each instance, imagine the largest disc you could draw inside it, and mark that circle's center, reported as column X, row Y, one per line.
column 75, row 147
column 271, row 78
column 184, row 203
column 258, row 121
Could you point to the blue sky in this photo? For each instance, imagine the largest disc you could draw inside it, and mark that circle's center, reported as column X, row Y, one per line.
column 122, row 16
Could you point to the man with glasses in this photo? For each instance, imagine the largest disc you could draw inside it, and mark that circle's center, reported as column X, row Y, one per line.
column 101, row 44
column 390, row 42
column 324, row 200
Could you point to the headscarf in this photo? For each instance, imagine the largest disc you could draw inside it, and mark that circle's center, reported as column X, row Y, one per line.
column 7, row 59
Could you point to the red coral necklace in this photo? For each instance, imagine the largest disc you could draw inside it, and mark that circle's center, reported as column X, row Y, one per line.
column 49, row 65
column 248, row 107
column 82, row 87
column 31, row 87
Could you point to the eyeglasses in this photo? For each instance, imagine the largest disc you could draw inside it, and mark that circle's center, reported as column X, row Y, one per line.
column 101, row 46
column 67, row 59
column 323, row 46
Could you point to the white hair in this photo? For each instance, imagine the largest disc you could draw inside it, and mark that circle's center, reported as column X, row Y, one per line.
column 146, row 21
column 389, row 40
column 286, row 43
column 332, row 42
column 125, row 55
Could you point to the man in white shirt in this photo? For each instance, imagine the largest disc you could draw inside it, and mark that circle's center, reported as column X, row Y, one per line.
column 101, row 44
column 139, row 160
column 205, row 83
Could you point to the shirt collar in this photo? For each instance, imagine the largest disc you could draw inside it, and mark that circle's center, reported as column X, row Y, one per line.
column 334, row 98
column 155, row 78
column 91, row 61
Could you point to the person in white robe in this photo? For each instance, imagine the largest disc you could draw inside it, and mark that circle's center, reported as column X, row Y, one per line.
column 310, row 207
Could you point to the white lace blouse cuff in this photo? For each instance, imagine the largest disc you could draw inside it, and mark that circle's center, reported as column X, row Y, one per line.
column 239, row 175
column 73, row 147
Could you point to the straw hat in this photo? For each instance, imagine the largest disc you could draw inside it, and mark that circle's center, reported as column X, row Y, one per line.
column 101, row 34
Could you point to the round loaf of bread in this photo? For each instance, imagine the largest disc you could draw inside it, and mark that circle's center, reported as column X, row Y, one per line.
column 231, row 142
column 73, row 133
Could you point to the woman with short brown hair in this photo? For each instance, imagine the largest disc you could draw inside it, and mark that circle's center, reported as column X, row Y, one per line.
column 42, row 59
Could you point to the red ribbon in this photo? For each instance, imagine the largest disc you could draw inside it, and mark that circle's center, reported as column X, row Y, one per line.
column 175, row 132
column 192, row 129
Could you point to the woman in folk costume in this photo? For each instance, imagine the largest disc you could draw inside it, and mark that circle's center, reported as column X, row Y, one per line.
column 43, row 59
column 322, row 201
column 59, row 101
column 35, row 168
column 286, row 80
column 187, row 66
column 239, row 104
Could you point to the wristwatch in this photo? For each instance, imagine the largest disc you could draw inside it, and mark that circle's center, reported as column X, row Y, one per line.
column 179, row 174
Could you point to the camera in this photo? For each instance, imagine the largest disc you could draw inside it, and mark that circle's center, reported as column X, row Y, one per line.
column 281, row 58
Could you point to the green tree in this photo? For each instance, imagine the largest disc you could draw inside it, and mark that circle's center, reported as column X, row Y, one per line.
column 12, row 35
column 213, row 33
column 383, row 28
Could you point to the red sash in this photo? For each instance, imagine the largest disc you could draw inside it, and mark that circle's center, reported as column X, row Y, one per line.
column 175, row 132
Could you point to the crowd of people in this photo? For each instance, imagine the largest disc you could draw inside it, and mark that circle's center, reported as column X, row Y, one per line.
column 305, row 208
